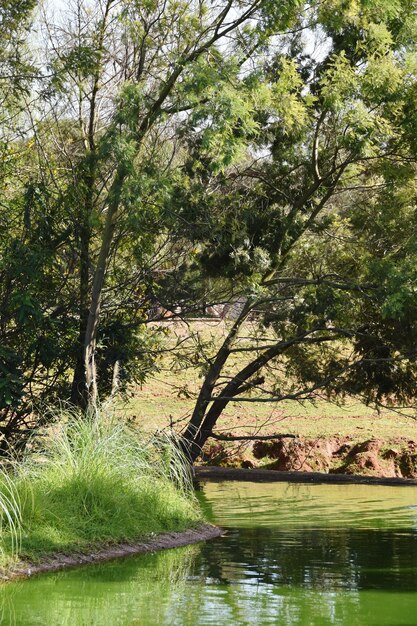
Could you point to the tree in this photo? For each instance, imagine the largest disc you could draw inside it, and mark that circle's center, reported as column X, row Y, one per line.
column 97, row 145
column 128, row 74
column 195, row 31
column 316, row 224
column 16, row 75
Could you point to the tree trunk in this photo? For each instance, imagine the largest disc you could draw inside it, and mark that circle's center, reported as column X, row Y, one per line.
column 197, row 433
column 79, row 388
column 193, row 438
column 90, row 339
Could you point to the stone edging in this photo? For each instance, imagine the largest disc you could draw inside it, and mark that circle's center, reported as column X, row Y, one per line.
column 160, row 542
column 214, row 473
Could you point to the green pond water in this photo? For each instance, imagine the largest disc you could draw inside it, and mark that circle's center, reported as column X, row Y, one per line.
column 291, row 554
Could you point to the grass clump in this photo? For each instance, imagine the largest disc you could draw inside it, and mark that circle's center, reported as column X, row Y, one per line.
column 92, row 481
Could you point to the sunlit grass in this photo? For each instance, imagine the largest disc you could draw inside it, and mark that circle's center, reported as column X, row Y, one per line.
column 92, row 481
column 169, row 397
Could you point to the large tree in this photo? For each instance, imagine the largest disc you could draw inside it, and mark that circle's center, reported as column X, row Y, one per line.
column 95, row 149
column 315, row 227
column 129, row 72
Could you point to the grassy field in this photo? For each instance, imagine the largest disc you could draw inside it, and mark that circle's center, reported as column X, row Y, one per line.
column 169, row 396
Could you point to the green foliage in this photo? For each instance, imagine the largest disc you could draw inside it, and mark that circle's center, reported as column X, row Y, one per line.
column 92, row 481
column 207, row 170
column 16, row 65
column 10, row 378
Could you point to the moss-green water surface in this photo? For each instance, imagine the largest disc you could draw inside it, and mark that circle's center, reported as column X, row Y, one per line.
column 291, row 554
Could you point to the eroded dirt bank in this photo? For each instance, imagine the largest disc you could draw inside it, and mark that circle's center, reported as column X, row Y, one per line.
column 393, row 458
column 107, row 553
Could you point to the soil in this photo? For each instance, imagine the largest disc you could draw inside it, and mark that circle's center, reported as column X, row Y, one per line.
column 393, row 458
column 110, row 552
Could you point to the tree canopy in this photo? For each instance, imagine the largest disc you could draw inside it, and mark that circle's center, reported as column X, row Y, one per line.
column 188, row 153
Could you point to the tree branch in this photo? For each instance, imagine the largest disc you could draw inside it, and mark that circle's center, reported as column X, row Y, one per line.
column 252, row 437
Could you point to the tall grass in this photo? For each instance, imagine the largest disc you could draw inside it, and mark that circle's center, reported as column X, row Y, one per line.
column 89, row 481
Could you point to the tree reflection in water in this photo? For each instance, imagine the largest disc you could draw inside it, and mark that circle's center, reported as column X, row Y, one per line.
column 290, row 556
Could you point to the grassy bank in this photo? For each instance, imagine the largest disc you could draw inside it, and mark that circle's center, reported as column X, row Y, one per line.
column 86, row 483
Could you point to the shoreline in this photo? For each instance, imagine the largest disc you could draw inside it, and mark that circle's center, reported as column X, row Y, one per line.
column 215, row 473
column 60, row 561
column 203, row 532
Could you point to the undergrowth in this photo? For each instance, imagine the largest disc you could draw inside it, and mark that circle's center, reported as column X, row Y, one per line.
column 86, row 482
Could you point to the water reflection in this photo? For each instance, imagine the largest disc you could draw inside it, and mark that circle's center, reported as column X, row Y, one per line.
column 130, row 591
column 292, row 555
column 300, row 505
column 333, row 560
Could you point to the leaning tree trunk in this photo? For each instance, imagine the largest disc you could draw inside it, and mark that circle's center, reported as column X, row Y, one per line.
column 195, row 434
column 208, row 409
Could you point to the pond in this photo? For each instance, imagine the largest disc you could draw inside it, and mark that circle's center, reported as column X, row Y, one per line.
column 291, row 554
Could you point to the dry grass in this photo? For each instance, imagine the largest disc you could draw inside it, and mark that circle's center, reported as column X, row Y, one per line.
column 169, row 397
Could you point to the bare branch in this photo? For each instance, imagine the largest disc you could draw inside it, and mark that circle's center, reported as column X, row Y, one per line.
column 253, row 437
